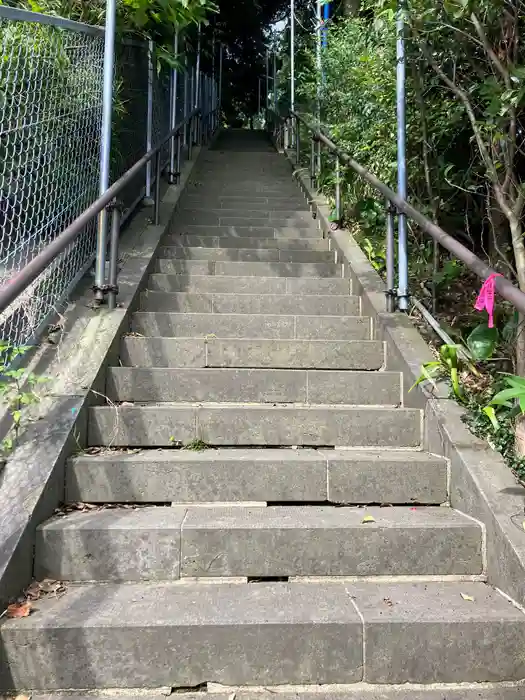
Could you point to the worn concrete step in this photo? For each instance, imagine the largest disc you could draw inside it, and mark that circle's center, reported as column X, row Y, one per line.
column 285, row 304
column 144, row 384
column 268, row 326
column 246, row 269
column 254, row 353
column 222, row 284
column 307, row 244
column 253, row 203
column 270, row 475
column 359, row 691
column 226, row 424
column 165, row 543
column 234, row 217
column 247, row 254
column 151, row 635
column 248, row 231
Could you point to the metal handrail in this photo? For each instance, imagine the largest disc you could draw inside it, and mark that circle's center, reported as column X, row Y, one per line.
column 503, row 286
column 28, row 274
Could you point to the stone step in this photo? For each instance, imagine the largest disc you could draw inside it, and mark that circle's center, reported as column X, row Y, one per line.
column 247, row 254
column 266, row 326
column 283, row 386
column 266, row 204
column 248, row 269
column 151, row 635
column 226, row 424
column 268, row 475
column 222, row 284
column 253, row 242
column 252, row 353
column 281, row 304
column 360, row 691
column 249, row 231
column 234, row 217
column 167, row 543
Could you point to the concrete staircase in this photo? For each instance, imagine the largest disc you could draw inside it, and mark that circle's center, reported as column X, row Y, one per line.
column 275, row 519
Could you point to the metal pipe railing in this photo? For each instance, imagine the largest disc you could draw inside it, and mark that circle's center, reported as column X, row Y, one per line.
column 503, row 286
column 28, row 274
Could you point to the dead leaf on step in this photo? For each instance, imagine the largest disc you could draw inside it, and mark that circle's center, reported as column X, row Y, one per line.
column 468, row 598
column 48, row 586
column 368, row 519
column 19, row 610
column 388, row 602
column 23, row 697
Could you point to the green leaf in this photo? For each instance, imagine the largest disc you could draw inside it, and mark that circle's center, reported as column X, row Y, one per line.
column 503, row 398
column 491, row 415
column 482, row 342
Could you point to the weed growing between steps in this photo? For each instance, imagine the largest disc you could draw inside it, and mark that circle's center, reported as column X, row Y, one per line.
column 18, row 391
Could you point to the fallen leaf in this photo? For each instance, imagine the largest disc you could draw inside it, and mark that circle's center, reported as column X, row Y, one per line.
column 468, row 598
column 388, row 602
column 368, row 519
column 19, row 610
column 523, row 524
column 23, row 697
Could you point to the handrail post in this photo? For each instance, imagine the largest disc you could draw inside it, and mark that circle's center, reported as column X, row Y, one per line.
column 149, row 118
column 177, row 161
column 297, row 142
column 312, row 162
column 390, row 258
column 337, row 189
column 112, row 288
column 105, row 146
column 156, row 209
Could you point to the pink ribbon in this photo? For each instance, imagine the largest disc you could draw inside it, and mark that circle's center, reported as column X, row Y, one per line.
column 485, row 298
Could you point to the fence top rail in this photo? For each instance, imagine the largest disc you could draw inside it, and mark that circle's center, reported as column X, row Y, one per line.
column 28, row 274
column 504, row 286
column 17, row 15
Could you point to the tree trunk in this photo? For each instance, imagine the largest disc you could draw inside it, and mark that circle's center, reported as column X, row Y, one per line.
column 519, row 257
column 519, row 432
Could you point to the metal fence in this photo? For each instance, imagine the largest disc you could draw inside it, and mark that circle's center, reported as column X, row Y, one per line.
column 51, row 81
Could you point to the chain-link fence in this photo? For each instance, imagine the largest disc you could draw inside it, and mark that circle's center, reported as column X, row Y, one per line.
column 51, row 79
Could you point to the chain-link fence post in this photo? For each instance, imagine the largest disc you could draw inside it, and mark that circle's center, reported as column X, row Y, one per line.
column 149, row 122
column 173, row 116
column 105, row 145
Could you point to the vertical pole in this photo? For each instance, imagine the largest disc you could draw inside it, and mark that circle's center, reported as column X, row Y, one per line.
column 149, row 117
column 158, row 170
column 292, row 54
column 326, row 17
column 259, row 97
column 267, row 82
column 220, row 78
column 275, row 82
column 402, row 291
column 113, row 256
column 105, row 144
column 338, row 189
column 198, row 120
column 212, row 84
column 186, row 109
column 319, row 23
column 173, row 120
column 390, row 261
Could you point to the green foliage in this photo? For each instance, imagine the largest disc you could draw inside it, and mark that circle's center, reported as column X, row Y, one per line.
column 447, row 366
column 17, row 391
column 482, row 342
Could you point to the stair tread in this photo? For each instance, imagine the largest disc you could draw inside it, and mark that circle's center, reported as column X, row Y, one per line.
column 360, row 691
column 259, row 455
column 310, row 517
column 132, row 605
